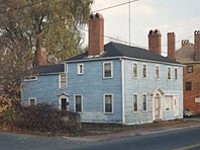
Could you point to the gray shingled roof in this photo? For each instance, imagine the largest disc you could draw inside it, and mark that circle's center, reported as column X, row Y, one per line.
column 48, row 69
column 119, row 50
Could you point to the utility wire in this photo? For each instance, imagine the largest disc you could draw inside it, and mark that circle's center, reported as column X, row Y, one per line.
column 114, row 6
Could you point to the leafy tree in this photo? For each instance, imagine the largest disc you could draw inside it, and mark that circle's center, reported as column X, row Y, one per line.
column 27, row 25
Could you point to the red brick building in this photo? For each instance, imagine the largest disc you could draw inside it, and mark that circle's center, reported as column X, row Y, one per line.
column 189, row 56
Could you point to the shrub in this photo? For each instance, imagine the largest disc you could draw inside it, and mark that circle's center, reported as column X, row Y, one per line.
column 46, row 118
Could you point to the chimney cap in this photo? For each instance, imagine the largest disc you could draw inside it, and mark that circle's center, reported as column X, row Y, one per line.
column 197, row 32
column 154, row 32
column 97, row 15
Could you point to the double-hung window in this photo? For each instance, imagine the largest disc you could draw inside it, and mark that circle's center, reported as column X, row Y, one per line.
column 144, row 103
column 176, row 73
column 63, row 81
column 134, row 70
column 144, row 71
column 108, row 102
column 107, row 70
column 157, row 72
column 80, row 69
column 78, row 103
column 135, row 103
column 168, row 73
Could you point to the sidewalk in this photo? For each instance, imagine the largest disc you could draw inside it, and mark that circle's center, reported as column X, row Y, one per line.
column 187, row 123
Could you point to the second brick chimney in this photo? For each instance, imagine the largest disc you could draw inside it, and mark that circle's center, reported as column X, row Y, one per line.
column 155, row 41
column 40, row 55
column 197, row 45
column 96, row 35
column 171, row 46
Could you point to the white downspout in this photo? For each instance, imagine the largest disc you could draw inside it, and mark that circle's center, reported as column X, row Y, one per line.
column 122, row 79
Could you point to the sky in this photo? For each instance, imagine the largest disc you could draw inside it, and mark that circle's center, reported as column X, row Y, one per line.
column 179, row 16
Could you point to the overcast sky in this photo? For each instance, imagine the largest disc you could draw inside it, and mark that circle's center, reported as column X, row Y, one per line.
column 179, row 16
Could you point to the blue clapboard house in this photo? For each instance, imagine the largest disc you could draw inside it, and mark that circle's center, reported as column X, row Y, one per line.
column 112, row 83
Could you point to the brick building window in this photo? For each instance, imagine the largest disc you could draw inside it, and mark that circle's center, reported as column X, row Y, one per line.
column 189, row 69
column 188, row 86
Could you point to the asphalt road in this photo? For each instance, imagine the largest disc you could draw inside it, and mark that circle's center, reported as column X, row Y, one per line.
column 183, row 139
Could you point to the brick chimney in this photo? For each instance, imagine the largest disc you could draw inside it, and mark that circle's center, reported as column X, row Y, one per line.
column 171, row 46
column 197, row 45
column 96, row 35
column 40, row 55
column 155, row 41
column 184, row 42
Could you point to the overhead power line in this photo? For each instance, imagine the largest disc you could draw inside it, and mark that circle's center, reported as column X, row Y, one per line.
column 114, row 6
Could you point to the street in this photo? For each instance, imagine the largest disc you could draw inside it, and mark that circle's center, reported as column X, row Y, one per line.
column 182, row 139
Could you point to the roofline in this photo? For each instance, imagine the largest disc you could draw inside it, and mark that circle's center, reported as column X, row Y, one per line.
column 92, row 59
column 123, row 57
column 160, row 62
column 44, row 74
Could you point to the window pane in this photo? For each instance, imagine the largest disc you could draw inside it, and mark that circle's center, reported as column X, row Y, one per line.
column 189, row 69
column 144, row 102
column 157, row 72
column 135, row 103
column 134, row 70
column 108, row 103
column 176, row 73
column 63, row 79
column 188, row 86
column 32, row 102
column 107, row 70
column 144, row 69
column 168, row 73
column 78, row 104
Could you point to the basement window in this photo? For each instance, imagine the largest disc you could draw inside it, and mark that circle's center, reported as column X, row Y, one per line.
column 30, row 78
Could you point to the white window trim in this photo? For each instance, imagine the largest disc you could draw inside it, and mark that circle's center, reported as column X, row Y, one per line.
column 133, row 103
column 27, row 78
column 59, row 81
column 158, row 72
column 78, row 68
column 104, row 108
column 81, row 102
column 146, row 71
column 111, row 70
column 29, row 103
column 146, row 102
column 170, row 73
column 134, row 63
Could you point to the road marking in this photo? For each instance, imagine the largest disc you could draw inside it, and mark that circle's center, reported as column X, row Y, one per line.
column 188, row 147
